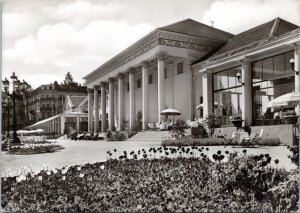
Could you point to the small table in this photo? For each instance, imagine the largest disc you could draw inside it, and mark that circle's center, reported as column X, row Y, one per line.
column 238, row 136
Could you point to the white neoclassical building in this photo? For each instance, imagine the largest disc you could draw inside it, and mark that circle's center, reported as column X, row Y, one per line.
column 189, row 64
column 152, row 74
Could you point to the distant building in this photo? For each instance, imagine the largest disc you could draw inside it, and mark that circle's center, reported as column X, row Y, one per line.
column 73, row 117
column 48, row 100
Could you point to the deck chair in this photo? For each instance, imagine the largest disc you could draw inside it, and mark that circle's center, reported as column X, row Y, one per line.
column 253, row 140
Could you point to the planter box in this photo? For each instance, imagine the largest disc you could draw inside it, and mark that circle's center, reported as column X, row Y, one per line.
column 290, row 119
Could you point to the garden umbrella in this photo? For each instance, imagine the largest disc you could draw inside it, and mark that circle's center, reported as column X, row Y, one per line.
column 168, row 112
column 289, row 99
column 201, row 105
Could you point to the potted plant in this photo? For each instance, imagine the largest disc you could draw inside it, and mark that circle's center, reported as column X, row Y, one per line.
column 237, row 121
column 290, row 117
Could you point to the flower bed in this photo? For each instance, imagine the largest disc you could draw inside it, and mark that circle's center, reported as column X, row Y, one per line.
column 34, row 148
column 212, row 142
column 241, row 183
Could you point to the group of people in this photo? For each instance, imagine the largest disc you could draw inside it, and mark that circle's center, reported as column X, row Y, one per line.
column 74, row 135
column 168, row 184
column 165, row 125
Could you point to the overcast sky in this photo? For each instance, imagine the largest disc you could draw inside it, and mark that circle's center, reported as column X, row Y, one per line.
column 44, row 39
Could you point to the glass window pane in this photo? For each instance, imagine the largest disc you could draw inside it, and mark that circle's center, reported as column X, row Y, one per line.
column 215, row 81
column 288, row 56
column 257, row 71
column 232, row 79
column 223, row 80
column 279, row 66
column 267, row 68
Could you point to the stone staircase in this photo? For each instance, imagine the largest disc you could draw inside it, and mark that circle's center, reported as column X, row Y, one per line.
column 150, row 136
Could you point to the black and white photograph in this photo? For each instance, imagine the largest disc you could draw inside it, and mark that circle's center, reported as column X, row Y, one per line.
column 150, row 106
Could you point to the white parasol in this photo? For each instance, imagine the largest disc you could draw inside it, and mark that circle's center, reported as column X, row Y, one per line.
column 289, row 99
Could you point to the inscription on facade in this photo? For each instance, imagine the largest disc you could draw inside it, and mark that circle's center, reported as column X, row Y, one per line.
column 149, row 46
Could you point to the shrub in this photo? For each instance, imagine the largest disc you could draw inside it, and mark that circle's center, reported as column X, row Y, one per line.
column 116, row 136
column 270, row 141
column 131, row 133
column 213, row 142
column 178, row 129
column 212, row 122
column 198, row 132
column 295, row 154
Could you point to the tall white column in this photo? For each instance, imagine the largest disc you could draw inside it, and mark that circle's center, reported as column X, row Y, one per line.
column 103, row 106
column 62, row 124
column 111, row 104
column 96, row 108
column 145, row 89
column 161, row 83
column 90, row 110
column 121, row 100
column 131, row 72
column 53, row 126
column 207, row 93
column 77, row 123
column 297, row 76
column 246, row 93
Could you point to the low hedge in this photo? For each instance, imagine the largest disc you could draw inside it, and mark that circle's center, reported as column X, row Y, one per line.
column 34, row 148
column 213, row 142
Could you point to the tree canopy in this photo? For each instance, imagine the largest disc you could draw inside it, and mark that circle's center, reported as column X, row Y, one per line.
column 69, row 79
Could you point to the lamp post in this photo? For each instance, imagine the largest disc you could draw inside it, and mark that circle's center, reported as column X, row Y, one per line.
column 18, row 89
column 4, row 107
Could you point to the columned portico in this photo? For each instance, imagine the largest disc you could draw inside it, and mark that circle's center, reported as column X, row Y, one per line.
column 90, row 112
column 96, row 108
column 131, row 72
column 161, row 83
column 103, row 106
column 207, row 93
column 121, row 100
column 145, row 94
column 246, row 92
column 111, row 103
column 297, row 69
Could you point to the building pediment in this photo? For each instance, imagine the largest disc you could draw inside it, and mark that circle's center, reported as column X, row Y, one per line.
column 158, row 37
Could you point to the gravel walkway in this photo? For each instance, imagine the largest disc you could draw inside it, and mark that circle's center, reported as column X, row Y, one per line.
column 82, row 152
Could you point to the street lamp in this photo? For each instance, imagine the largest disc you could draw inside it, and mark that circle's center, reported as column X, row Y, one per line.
column 4, row 107
column 18, row 89
column 239, row 78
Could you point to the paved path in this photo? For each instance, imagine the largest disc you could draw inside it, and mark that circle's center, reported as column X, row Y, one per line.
column 82, row 152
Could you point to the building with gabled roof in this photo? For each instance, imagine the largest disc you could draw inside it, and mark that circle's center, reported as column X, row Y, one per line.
column 197, row 69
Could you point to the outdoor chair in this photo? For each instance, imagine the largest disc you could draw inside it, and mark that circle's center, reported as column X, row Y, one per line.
column 81, row 136
column 101, row 136
column 95, row 138
column 230, row 141
column 151, row 125
column 157, row 125
column 88, row 136
column 253, row 140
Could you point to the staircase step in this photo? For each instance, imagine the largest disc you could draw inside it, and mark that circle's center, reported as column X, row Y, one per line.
column 150, row 136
